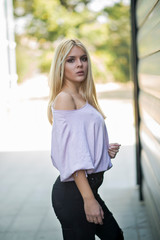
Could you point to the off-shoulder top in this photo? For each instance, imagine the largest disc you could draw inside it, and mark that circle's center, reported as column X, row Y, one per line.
column 79, row 142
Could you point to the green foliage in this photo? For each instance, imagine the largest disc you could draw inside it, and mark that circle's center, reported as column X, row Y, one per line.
column 22, row 59
column 22, row 7
column 52, row 20
column 26, row 59
column 72, row 5
column 108, row 42
column 45, row 61
column 118, row 44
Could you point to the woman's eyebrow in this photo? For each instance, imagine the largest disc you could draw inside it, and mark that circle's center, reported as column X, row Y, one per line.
column 84, row 55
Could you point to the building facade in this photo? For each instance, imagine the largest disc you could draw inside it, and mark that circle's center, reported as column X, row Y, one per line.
column 146, row 75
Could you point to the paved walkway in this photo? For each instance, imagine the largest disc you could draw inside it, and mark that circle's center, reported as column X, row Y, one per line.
column 27, row 174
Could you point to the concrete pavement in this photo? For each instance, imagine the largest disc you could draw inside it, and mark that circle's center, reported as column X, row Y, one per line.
column 26, row 180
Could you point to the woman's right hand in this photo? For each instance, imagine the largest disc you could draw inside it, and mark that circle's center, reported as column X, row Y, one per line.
column 93, row 211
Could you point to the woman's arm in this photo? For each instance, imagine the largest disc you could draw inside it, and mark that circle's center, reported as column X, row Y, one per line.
column 93, row 210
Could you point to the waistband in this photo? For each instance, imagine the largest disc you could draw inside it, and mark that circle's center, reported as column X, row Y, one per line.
column 98, row 174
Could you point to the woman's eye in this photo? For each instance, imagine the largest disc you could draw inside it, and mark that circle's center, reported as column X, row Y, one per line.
column 84, row 59
column 71, row 60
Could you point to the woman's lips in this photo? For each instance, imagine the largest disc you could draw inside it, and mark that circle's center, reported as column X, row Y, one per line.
column 80, row 73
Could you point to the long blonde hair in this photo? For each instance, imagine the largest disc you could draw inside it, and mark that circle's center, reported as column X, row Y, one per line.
column 56, row 76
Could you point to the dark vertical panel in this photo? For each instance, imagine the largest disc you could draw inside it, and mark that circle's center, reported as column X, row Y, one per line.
column 136, row 95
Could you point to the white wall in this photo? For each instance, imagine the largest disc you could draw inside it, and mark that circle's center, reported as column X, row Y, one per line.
column 8, row 76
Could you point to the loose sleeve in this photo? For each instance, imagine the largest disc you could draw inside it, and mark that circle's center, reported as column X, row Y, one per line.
column 69, row 147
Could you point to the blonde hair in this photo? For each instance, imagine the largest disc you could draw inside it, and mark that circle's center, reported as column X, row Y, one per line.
column 56, row 76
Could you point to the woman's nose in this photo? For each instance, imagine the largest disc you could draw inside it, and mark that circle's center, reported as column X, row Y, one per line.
column 79, row 62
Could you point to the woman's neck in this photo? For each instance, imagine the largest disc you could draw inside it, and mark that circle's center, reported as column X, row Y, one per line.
column 74, row 90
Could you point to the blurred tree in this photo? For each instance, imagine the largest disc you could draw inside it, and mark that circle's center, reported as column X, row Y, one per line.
column 22, row 7
column 72, row 5
column 53, row 20
column 118, row 42
column 108, row 40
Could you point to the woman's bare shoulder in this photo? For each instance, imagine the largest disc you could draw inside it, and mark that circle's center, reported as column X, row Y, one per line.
column 64, row 101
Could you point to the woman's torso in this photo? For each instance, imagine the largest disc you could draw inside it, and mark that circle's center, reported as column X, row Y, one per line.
column 79, row 140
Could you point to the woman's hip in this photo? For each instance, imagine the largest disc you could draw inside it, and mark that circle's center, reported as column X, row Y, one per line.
column 64, row 190
column 66, row 196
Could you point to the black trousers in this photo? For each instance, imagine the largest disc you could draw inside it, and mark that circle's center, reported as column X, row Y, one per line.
column 68, row 205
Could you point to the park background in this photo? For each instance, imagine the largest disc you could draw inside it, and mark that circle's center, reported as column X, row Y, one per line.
column 104, row 26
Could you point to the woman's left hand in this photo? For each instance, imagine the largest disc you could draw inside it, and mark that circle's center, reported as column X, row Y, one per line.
column 113, row 149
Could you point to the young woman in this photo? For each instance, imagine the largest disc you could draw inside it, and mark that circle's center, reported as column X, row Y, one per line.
column 80, row 148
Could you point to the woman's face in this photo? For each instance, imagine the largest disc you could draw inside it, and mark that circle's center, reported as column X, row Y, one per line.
column 76, row 65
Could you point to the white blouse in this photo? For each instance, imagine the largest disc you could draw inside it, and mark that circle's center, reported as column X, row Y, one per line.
column 79, row 142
